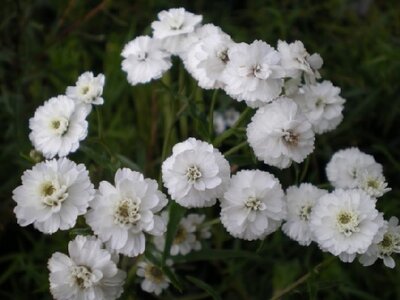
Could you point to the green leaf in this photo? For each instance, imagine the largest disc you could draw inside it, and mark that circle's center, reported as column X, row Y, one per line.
column 176, row 213
column 204, row 286
column 126, row 162
column 213, row 254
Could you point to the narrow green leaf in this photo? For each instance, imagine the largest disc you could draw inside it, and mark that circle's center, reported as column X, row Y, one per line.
column 213, row 254
column 176, row 212
column 204, row 286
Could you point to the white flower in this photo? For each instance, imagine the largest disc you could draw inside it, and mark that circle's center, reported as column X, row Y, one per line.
column 187, row 237
column 89, row 272
column 345, row 222
column 196, row 173
column 58, row 126
column 322, row 105
column 121, row 214
column 253, row 73
column 372, row 181
column 225, row 119
column 300, row 203
column 207, row 60
column 253, row 205
column 88, row 89
column 386, row 247
column 154, row 279
column 173, row 27
column 279, row 133
column 144, row 60
column 52, row 195
column 297, row 61
column 201, row 32
column 346, row 166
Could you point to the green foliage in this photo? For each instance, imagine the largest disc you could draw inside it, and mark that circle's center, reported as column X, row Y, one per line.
column 46, row 44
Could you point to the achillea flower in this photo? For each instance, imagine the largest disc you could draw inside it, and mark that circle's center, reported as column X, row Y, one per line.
column 89, row 272
column 52, row 195
column 88, row 90
column 279, row 133
column 58, row 126
column 144, row 60
column 196, row 173
column 345, row 222
column 253, row 205
column 121, row 214
column 300, row 202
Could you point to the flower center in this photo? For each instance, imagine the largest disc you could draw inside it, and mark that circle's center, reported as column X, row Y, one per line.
column 127, row 212
column 193, row 174
column 347, row 222
column 85, row 89
column 82, row 276
column 60, row 126
column 290, row 138
column 181, row 235
column 154, row 274
column 304, row 213
column 389, row 244
column 223, row 55
column 175, row 23
column 141, row 56
column 253, row 203
column 53, row 194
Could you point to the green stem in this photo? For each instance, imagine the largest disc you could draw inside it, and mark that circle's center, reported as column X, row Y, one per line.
column 99, row 124
column 236, row 148
column 279, row 294
column 227, row 133
column 211, row 116
column 305, row 169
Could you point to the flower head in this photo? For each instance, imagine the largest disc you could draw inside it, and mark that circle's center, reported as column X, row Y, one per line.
column 144, row 60
column 52, row 195
column 297, row 61
column 88, row 89
column 120, row 214
column 154, row 279
column 322, row 105
column 345, row 222
column 279, row 133
column 173, row 26
column 89, row 272
column 253, row 73
column 207, row 59
column 188, row 236
column 58, row 126
column 347, row 166
column 196, row 173
column 300, row 203
column 385, row 247
column 253, row 205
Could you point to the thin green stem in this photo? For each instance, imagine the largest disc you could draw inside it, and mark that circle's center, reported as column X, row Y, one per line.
column 227, row 133
column 99, row 124
column 211, row 116
column 279, row 294
column 305, row 169
column 236, row 148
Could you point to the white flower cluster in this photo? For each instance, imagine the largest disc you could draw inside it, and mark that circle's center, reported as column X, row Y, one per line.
column 282, row 81
column 188, row 236
column 292, row 107
column 60, row 123
column 345, row 222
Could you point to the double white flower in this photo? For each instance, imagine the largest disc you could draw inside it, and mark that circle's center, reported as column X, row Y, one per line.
column 253, row 205
column 52, row 195
column 196, row 173
column 279, row 133
column 89, row 272
column 122, row 213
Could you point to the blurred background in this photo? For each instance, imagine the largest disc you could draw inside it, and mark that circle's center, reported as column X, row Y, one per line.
column 46, row 44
